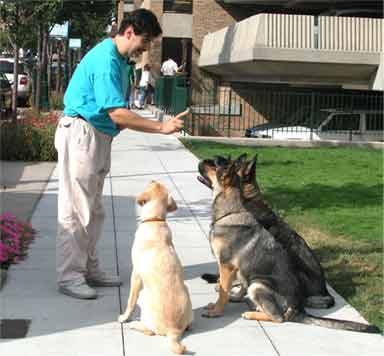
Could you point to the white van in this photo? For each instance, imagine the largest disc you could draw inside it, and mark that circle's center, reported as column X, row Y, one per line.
column 354, row 125
column 24, row 81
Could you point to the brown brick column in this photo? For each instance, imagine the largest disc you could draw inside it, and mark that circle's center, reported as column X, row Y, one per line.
column 153, row 56
column 208, row 16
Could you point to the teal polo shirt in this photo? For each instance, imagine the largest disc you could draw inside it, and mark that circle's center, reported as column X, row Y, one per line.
column 99, row 83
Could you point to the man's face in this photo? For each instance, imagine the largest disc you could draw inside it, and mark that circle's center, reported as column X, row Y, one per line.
column 136, row 44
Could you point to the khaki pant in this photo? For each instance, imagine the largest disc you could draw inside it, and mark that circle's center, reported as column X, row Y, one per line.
column 84, row 159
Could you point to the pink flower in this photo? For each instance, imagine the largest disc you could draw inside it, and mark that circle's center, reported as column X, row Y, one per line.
column 15, row 237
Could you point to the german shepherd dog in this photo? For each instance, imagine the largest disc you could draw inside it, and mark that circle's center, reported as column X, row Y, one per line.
column 245, row 250
column 309, row 271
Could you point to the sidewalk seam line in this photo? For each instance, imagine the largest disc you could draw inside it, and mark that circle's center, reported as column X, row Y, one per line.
column 116, row 258
column 269, row 338
column 180, row 193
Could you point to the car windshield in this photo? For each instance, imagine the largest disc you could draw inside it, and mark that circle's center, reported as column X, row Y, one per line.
column 343, row 122
column 7, row 67
column 374, row 121
column 4, row 83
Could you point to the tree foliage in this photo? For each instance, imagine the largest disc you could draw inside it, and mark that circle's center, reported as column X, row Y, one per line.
column 88, row 19
column 27, row 23
column 21, row 18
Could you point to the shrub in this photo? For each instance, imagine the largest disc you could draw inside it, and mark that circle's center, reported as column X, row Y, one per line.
column 56, row 101
column 18, row 142
column 47, row 148
column 15, row 237
column 30, row 138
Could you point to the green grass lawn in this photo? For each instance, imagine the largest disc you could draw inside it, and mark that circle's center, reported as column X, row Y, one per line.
column 334, row 198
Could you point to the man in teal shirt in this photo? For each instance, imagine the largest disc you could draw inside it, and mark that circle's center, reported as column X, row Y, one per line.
column 95, row 111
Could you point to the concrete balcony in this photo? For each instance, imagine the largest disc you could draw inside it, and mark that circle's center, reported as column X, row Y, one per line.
column 297, row 49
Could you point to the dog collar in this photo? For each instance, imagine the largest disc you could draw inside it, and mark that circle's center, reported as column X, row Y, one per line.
column 152, row 219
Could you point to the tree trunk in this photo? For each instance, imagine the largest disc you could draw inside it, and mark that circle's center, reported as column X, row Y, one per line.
column 49, row 66
column 70, row 64
column 58, row 69
column 38, row 69
column 44, row 89
column 15, row 72
column 67, row 68
column 15, row 82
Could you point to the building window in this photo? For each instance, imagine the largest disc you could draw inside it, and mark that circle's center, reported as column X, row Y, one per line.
column 178, row 6
column 180, row 50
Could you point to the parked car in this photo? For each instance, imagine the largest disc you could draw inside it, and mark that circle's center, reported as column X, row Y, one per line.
column 354, row 125
column 5, row 96
column 24, row 81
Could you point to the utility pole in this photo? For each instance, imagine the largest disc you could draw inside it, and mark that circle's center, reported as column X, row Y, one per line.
column 120, row 12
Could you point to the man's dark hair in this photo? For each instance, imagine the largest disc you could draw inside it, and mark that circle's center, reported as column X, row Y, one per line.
column 143, row 21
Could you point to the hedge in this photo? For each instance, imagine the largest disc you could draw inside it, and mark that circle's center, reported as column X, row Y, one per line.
column 19, row 142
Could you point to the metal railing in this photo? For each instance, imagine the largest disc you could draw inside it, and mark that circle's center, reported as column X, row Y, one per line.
column 352, row 34
column 238, row 42
column 178, row 6
column 306, row 114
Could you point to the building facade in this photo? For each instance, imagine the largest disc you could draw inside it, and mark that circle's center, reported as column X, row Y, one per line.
column 239, row 48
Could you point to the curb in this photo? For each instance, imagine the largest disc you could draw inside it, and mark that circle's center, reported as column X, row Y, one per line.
column 3, row 277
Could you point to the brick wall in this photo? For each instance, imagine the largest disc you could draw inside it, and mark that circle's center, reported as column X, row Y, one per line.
column 153, row 56
column 155, row 52
column 209, row 16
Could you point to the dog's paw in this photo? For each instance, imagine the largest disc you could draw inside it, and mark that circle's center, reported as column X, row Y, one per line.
column 212, row 313
column 237, row 294
column 122, row 318
column 246, row 315
column 137, row 325
column 236, row 298
column 134, row 324
column 210, row 306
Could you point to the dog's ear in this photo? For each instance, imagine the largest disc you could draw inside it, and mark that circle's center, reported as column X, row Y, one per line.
column 242, row 158
column 230, row 175
column 143, row 198
column 250, row 170
column 221, row 161
column 240, row 164
column 171, row 205
column 232, row 169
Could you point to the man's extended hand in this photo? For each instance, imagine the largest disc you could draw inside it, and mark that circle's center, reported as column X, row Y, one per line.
column 174, row 124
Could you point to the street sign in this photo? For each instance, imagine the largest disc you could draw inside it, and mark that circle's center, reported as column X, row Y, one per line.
column 59, row 30
column 75, row 43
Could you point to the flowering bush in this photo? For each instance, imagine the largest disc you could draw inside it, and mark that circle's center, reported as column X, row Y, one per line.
column 31, row 138
column 39, row 121
column 15, row 237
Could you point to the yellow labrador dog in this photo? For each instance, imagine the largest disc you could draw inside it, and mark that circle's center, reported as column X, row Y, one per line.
column 167, row 308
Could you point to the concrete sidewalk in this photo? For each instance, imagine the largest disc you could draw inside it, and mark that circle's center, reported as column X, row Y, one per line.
column 63, row 326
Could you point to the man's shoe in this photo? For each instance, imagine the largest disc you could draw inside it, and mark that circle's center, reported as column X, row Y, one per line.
column 78, row 290
column 103, row 280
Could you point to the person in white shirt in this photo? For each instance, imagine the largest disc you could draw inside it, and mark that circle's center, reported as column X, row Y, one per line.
column 169, row 67
column 146, row 85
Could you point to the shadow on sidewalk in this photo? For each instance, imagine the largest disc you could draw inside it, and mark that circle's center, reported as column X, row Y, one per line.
column 20, row 203
column 11, row 173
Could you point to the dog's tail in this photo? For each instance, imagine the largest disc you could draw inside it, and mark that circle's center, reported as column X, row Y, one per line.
column 176, row 346
column 320, row 301
column 335, row 323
